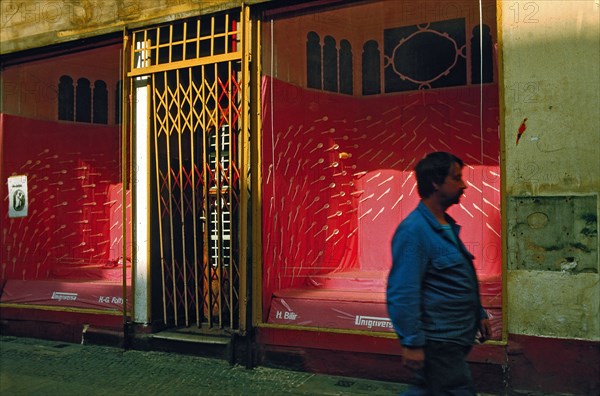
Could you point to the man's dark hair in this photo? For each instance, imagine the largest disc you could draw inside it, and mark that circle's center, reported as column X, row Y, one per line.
column 433, row 169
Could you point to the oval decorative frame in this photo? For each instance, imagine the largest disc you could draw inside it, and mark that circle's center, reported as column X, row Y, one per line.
column 458, row 52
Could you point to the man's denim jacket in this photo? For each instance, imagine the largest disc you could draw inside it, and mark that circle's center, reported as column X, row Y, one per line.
column 432, row 291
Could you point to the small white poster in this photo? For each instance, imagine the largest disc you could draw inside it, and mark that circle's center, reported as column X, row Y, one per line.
column 17, row 196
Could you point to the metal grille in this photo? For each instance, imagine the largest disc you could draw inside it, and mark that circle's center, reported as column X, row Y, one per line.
column 196, row 107
column 207, row 39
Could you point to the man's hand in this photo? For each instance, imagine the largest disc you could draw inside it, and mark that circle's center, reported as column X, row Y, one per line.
column 413, row 358
column 485, row 330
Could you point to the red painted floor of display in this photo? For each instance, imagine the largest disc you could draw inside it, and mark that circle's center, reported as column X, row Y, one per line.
column 356, row 301
column 97, row 295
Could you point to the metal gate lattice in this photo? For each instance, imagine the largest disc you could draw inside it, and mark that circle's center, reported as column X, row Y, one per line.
column 195, row 70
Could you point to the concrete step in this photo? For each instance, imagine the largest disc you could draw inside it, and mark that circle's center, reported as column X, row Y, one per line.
column 194, row 342
column 192, row 338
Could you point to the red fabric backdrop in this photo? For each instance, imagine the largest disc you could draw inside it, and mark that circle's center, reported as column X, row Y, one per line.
column 338, row 178
column 74, row 227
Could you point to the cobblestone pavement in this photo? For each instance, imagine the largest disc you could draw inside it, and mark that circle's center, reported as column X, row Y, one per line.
column 41, row 367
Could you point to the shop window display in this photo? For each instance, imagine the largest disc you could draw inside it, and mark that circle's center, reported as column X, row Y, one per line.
column 68, row 250
column 337, row 169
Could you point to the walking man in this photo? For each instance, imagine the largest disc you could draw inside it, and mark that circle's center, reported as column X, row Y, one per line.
column 433, row 292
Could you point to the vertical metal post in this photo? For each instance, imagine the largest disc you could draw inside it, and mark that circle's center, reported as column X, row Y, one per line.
column 244, row 159
column 206, row 226
column 193, row 136
column 125, row 105
column 170, row 192
column 156, row 132
column 256, row 178
column 218, row 192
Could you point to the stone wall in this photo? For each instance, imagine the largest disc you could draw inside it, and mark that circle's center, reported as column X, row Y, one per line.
column 27, row 24
column 550, row 61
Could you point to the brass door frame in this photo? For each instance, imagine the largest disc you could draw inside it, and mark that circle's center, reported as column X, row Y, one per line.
column 190, row 56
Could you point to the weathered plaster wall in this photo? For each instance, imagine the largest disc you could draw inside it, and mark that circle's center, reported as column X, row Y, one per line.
column 551, row 58
column 27, row 24
column 553, row 304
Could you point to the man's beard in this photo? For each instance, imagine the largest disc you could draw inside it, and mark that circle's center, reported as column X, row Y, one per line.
column 453, row 200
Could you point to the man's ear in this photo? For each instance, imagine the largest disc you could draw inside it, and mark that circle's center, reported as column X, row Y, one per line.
column 435, row 186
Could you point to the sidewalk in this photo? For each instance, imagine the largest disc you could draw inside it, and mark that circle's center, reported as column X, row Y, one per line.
column 40, row 367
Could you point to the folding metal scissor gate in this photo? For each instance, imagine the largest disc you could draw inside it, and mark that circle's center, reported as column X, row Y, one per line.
column 198, row 137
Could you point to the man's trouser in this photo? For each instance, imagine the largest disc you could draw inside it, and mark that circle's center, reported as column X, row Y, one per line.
column 446, row 371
